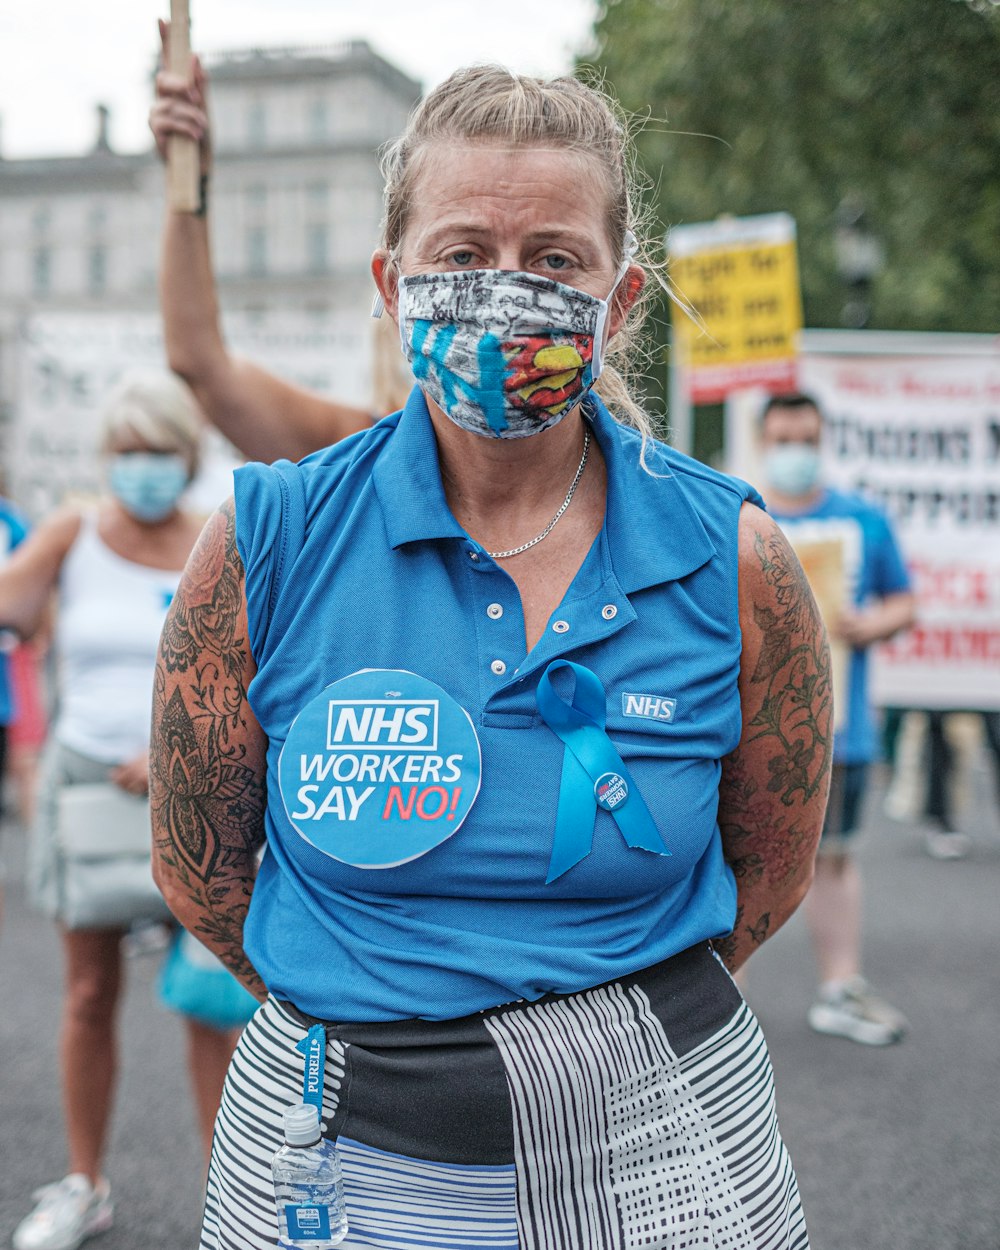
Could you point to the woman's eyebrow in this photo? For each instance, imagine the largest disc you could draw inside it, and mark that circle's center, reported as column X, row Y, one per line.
column 565, row 234
column 465, row 229
column 546, row 234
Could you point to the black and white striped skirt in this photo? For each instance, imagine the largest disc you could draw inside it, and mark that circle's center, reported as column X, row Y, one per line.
column 638, row 1114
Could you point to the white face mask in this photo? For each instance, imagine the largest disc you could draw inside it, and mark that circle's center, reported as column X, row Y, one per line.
column 148, row 484
column 502, row 353
column 792, row 468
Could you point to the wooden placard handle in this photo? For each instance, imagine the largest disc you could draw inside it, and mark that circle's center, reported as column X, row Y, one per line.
column 183, row 158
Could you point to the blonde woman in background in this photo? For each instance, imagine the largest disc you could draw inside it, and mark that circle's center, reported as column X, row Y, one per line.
column 113, row 569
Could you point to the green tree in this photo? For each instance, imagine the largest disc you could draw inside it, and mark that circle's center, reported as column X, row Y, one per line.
column 762, row 105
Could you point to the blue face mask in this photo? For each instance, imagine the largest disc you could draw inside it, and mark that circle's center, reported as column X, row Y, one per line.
column 148, row 484
column 792, row 468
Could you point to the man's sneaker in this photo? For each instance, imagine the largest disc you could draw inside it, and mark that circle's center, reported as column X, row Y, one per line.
column 855, row 1012
column 947, row 844
column 68, row 1212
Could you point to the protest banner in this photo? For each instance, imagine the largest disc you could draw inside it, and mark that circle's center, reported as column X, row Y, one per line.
column 67, row 364
column 913, row 423
column 740, row 275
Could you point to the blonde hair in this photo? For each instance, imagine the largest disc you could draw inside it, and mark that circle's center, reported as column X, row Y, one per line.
column 487, row 103
column 159, row 409
column 391, row 380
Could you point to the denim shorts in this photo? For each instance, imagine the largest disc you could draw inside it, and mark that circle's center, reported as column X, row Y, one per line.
column 848, row 786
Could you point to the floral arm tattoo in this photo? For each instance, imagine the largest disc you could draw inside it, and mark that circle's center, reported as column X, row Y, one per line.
column 207, row 752
column 772, row 797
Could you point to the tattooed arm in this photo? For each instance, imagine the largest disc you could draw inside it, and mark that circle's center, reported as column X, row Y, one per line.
column 772, row 797
column 207, row 753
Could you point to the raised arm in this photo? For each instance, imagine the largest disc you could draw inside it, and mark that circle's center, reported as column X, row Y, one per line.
column 262, row 415
column 207, row 753
column 772, row 798
column 30, row 574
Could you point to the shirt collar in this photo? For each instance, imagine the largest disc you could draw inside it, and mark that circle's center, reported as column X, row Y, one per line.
column 407, row 480
column 654, row 533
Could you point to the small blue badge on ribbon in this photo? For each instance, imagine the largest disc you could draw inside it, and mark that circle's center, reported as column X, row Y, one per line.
column 592, row 773
column 610, row 791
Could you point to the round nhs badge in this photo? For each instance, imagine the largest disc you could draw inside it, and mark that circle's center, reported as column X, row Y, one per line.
column 379, row 768
column 610, row 791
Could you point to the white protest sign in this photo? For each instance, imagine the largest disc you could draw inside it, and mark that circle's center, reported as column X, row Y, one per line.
column 913, row 423
column 69, row 363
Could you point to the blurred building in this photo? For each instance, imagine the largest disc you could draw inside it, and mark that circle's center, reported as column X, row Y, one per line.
column 296, row 198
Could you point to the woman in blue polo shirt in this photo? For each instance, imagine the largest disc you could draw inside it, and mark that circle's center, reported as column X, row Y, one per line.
column 531, row 714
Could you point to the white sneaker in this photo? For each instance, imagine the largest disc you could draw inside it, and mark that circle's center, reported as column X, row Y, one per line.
column 146, row 939
column 68, row 1212
column 946, row 844
column 855, row 1012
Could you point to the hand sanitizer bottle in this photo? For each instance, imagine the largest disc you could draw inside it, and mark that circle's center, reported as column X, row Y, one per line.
column 308, row 1186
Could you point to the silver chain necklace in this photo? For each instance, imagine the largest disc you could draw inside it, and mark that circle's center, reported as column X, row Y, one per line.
column 516, row 551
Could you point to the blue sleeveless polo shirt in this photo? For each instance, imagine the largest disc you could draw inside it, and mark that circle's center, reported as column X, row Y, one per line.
column 354, row 561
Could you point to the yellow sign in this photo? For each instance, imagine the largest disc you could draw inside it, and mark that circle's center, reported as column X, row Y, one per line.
column 740, row 275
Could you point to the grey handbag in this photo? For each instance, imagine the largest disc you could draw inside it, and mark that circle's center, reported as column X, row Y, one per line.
column 105, row 876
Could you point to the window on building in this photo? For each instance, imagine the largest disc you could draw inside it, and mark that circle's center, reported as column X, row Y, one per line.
column 41, row 219
column 316, row 247
column 256, row 196
column 97, row 269
column 256, row 249
column 257, row 123
column 98, row 217
column 318, row 120
column 317, row 197
column 41, row 271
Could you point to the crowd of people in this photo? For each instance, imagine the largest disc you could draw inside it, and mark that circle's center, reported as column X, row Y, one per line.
column 670, row 699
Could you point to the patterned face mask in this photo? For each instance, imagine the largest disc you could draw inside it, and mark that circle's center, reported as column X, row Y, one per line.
column 503, row 354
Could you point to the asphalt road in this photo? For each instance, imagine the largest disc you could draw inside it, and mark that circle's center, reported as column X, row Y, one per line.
column 895, row 1147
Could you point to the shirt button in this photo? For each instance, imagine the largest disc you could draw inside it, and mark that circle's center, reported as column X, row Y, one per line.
column 495, row 611
column 474, row 555
column 560, row 627
column 609, row 611
column 499, row 667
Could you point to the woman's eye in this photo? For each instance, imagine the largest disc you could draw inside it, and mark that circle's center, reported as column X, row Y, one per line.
column 461, row 258
column 555, row 261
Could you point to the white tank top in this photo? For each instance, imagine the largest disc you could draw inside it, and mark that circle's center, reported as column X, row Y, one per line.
column 111, row 612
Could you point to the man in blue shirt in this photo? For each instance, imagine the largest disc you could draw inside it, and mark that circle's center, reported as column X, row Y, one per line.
column 878, row 603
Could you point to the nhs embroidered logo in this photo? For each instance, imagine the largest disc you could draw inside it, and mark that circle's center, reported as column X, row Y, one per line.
column 648, row 706
column 382, row 724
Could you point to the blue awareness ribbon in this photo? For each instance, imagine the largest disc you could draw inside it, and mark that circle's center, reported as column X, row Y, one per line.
column 593, row 773
column 313, row 1047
